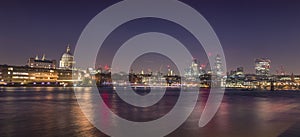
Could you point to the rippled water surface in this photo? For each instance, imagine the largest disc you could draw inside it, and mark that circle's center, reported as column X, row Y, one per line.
column 55, row 112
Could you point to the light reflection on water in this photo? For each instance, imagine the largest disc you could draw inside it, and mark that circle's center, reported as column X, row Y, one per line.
column 54, row 111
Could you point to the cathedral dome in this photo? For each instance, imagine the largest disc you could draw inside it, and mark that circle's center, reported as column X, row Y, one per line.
column 67, row 56
column 67, row 59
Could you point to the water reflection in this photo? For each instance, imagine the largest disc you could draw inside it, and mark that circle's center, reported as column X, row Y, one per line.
column 55, row 112
column 51, row 112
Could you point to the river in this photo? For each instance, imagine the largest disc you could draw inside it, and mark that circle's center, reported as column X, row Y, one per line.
column 54, row 111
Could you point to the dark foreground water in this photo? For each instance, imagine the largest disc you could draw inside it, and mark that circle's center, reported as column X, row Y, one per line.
column 55, row 112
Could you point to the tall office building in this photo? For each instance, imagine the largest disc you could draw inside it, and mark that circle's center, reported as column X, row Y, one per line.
column 218, row 66
column 192, row 72
column 195, row 68
column 262, row 66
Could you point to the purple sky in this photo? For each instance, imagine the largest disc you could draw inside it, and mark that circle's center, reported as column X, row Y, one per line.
column 246, row 29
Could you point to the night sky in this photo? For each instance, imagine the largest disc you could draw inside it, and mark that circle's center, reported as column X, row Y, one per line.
column 247, row 29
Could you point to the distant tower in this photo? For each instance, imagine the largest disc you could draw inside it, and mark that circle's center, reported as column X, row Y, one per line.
column 170, row 72
column 218, row 66
column 193, row 71
column 67, row 60
column 44, row 57
column 195, row 68
column 142, row 72
column 262, row 66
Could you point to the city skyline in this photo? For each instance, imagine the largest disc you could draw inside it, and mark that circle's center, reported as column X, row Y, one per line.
column 131, row 68
column 148, row 63
column 247, row 31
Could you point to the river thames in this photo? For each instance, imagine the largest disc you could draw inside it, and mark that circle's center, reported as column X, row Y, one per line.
column 54, row 111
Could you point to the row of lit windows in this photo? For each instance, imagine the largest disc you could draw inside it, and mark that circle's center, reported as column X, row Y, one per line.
column 41, row 78
column 26, row 73
column 19, row 77
column 41, row 65
column 19, row 73
column 262, row 69
column 67, row 73
column 24, row 77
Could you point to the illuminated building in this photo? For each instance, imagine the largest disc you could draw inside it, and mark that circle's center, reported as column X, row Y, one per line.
column 103, row 79
column 27, row 75
column 218, row 66
column 238, row 73
column 193, row 72
column 42, row 72
column 240, row 70
column 170, row 71
column 41, row 63
column 236, row 78
column 67, row 60
column 11, row 74
column 173, row 80
column 218, row 73
column 262, row 66
column 42, row 75
column 69, row 77
column 195, row 68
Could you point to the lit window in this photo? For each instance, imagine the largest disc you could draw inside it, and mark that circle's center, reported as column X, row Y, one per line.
column 19, row 73
column 17, row 77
